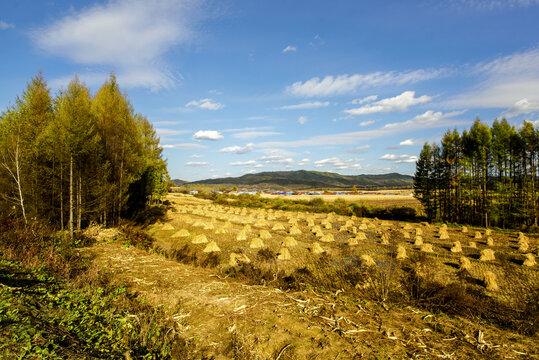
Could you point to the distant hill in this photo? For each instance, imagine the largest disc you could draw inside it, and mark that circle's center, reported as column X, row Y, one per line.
column 312, row 179
column 178, row 182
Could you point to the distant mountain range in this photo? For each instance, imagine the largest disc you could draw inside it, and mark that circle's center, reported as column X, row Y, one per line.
column 308, row 179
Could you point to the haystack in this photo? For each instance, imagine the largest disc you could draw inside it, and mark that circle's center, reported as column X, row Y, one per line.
column 385, row 239
column 405, row 234
column 401, row 253
column 294, row 230
column 181, row 233
column 523, row 245
column 277, row 226
column 363, row 226
column 209, row 226
column 361, row 235
column 456, row 248
column 265, row 234
column 247, row 228
column 367, row 261
column 352, row 242
column 167, row 226
column 427, row 248
column 289, row 241
column 256, row 243
column 236, row 258
column 490, row 281
column 478, row 235
column 530, row 260
column 418, row 232
column 327, row 238
column 488, row 232
column 465, row 264
column 198, row 223
column 221, row 230
column 319, row 233
column 310, row 222
column 242, row 235
column 407, row 226
column 464, row 229
column 472, row 244
column 284, row 254
column 418, row 240
column 443, row 234
column 200, row 239
column 490, row 241
column 211, row 247
column 487, row 255
column 317, row 249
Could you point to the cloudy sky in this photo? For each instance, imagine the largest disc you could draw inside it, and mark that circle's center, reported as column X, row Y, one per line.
column 236, row 87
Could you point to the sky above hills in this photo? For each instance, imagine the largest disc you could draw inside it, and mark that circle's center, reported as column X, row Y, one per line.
column 235, row 87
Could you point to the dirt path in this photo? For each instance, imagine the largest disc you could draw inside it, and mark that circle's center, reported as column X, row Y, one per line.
column 226, row 318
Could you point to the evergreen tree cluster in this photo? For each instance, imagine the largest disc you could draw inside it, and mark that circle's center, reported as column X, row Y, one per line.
column 486, row 176
column 78, row 158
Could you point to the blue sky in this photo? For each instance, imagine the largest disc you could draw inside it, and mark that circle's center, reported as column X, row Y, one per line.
column 234, row 87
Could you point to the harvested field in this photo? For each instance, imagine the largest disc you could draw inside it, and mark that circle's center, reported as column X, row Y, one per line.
column 309, row 297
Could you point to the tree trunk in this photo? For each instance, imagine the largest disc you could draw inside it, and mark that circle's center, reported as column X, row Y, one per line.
column 79, row 203
column 71, row 197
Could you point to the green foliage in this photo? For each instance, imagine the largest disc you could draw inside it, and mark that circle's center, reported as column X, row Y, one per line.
column 77, row 158
column 484, row 176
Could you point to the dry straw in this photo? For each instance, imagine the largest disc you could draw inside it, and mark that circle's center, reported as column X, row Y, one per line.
column 478, row 235
column 264, row 234
column 490, row 281
column 212, row 247
column 167, row 226
column 367, row 260
column 456, row 248
column 294, row 230
column 401, row 253
column 464, row 229
column 236, row 258
column 277, row 226
column 490, row 241
column 418, row 232
column 181, row 233
column 200, row 239
column 443, row 234
column 327, row 238
column 465, row 264
column 317, row 249
column 284, row 254
column 289, row 241
column 352, row 242
column 256, row 243
column 385, row 239
column 487, row 255
column 530, row 260
column 418, row 240
column 427, row 248
column 472, row 244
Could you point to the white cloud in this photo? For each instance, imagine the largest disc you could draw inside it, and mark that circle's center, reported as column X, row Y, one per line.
column 303, row 162
column 276, row 159
column 206, row 104
column 342, row 84
column 289, row 48
column 302, row 120
column 407, row 142
column 196, row 156
column 397, row 159
column 130, row 36
column 254, row 134
column 215, row 91
column 366, row 123
column 196, row 163
column 306, row 105
column 427, row 120
column 504, row 82
column 183, row 146
column 243, row 163
column 364, row 100
column 523, row 106
column 161, row 132
column 359, row 149
column 397, row 103
column 492, row 4
column 238, row 149
column 4, row 25
column 340, row 164
column 207, row 135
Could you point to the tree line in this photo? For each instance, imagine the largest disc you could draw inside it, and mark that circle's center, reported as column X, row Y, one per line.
column 76, row 158
column 486, row 176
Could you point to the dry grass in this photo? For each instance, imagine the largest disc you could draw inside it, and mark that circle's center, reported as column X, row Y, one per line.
column 331, row 271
